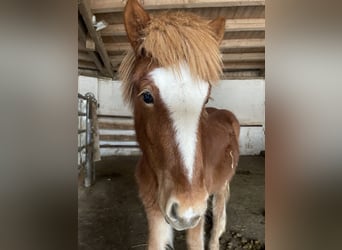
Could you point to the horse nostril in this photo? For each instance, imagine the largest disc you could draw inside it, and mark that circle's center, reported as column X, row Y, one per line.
column 173, row 211
column 195, row 219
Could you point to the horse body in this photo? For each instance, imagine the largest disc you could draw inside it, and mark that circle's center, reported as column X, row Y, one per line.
column 221, row 147
column 189, row 152
column 220, row 152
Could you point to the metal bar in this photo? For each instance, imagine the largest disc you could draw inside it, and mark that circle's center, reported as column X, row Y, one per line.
column 251, row 125
column 80, row 166
column 81, row 148
column 116, row 116
column 88, row 165
column 81, row 96
column 119, row 146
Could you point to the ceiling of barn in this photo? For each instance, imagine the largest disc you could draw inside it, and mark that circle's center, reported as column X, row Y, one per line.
column 243, row 47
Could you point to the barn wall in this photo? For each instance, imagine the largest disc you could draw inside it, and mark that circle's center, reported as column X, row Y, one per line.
column 88, row 84
column 246, row 98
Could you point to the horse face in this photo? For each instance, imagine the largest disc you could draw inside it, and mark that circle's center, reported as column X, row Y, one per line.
column 167, row 109
column 168, row 105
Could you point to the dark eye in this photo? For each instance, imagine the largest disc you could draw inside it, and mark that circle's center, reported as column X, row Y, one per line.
column 147, row 97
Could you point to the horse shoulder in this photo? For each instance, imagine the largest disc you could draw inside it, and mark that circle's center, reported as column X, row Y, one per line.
column 225, row 118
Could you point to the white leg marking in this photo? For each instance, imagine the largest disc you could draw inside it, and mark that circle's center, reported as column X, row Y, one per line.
column 222, row 227
column 163, row 234
column 184, row 97
column 231, row 155
column 219, row 220
column 220, row 214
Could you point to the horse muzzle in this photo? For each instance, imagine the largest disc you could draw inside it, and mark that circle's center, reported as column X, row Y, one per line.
column 183, row 221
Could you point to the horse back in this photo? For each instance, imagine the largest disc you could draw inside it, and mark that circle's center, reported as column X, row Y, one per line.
column 224, row 116
column 221, row 136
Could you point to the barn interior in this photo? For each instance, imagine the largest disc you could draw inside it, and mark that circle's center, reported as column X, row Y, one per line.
column 243, row 46
column 110, row 214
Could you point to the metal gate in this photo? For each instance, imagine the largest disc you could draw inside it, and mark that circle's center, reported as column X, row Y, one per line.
column 87, row 110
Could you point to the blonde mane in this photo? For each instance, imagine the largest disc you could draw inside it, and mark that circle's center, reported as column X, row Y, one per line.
column 172, row 38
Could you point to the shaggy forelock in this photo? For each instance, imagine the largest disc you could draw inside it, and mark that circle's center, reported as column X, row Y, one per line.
column 170, row 39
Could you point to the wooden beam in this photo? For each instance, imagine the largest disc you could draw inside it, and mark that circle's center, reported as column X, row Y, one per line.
column 82, row 38
column 81, row 33
column 232, row 25
column 114, row 30
column 230, row 57
column 87, row 72
column 116, row 125
column 81, row 46
column 117, row 47
column 118, row 137
column 116, row 59
column 255, row 24
column 93, row 55
column 86, row 65
column 84, row 56
column 242, row 74
column 243, row 65
column 98, row 63
column 225, row 44
column 242, row 43
column 84, row 9
column 89, row 43
column 105, row 6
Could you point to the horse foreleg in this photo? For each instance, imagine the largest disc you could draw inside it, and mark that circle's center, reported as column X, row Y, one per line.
column 160, row 233
column 219, row 217
column 195, row 236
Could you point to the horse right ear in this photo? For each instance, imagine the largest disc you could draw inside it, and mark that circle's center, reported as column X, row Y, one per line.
column 217, row 26
column 135, row 20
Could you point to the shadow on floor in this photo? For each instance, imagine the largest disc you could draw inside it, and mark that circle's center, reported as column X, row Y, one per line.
column 111, row 216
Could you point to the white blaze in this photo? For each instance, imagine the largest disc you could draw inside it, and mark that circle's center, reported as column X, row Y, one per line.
column 189, row 214
column 184, row 98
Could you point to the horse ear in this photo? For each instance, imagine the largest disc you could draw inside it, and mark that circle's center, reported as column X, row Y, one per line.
column 135, row 20
column 217, row 26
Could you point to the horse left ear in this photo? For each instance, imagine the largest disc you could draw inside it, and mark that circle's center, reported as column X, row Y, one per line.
column 135, row 20
column 217, row 26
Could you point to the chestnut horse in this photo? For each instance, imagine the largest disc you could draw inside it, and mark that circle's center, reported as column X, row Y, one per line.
column 189, row 152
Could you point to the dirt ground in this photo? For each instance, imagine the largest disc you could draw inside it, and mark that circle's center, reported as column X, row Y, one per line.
column 111, row 216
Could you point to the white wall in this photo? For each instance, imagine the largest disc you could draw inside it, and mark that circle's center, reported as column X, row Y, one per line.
column 111, row 102
column 245, row 98
column 88, row 84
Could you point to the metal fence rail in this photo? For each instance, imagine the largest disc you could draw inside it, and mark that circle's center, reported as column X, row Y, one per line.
column 87, row 105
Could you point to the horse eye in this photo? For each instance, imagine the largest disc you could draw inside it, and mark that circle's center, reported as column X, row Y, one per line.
column 147, row 97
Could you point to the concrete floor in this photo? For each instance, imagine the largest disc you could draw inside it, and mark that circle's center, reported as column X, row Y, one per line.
column 111, row 216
